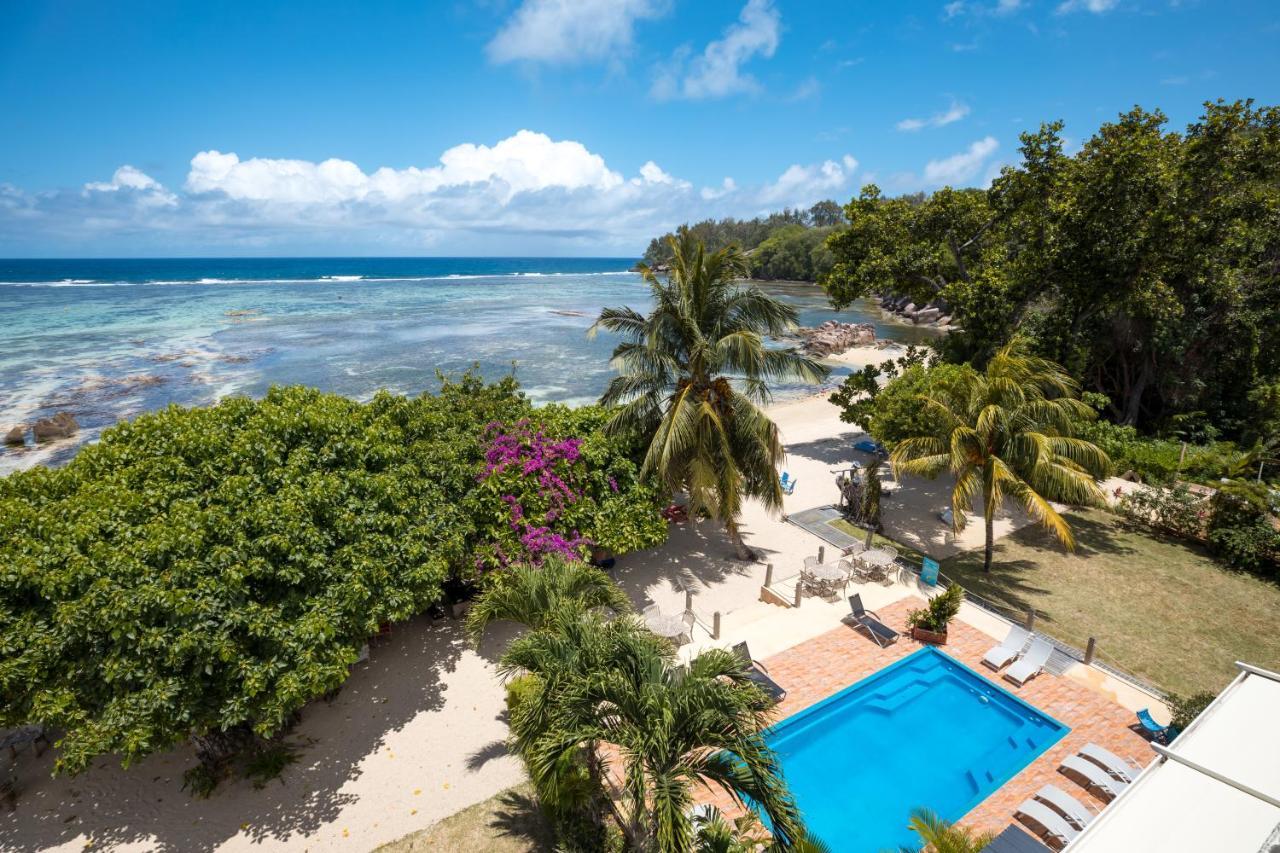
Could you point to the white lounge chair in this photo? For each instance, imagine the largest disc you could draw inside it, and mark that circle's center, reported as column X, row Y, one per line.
column 1009, row 648
column 1110, row 762
column 1046, row 821
column 1066, row 805
column 1093, row 776
column 1029, row 665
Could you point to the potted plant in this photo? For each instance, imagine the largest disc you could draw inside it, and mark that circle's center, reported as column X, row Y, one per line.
column 929, row 624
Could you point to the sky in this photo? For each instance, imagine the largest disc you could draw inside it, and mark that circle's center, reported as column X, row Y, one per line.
column 553, row 127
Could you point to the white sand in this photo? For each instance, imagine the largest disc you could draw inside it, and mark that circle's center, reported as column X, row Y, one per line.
column 415, row 734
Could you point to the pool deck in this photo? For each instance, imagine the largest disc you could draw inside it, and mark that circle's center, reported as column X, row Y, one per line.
column 828, row 663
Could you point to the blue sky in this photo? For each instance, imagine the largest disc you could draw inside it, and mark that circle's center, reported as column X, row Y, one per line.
column 552, row 126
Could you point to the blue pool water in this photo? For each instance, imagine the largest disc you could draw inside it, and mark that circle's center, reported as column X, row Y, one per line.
column 926, row 731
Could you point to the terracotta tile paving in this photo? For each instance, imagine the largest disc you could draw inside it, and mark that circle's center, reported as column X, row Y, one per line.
column 828, row 663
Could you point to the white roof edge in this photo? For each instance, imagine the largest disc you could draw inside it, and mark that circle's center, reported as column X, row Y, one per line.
column 1257, row 670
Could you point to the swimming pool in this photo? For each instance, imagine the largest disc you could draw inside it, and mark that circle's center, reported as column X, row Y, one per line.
column 925, row 731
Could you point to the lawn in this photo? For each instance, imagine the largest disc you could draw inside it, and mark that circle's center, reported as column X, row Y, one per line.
column 906, row 552
column 1160, row 608
column 507, row 823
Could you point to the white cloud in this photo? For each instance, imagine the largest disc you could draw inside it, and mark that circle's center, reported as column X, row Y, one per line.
column 570, row 31
column 717, row 71
column 527, row 193
column 952, row 114
column 803, row 185
column 130, row 179
column 962, row 167
column 1007, row 7
column 952, row 9
column 1095, row 6
column 524, row 162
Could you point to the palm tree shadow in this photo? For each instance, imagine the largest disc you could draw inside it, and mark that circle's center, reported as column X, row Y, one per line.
column 520, row 816
column 485, row 754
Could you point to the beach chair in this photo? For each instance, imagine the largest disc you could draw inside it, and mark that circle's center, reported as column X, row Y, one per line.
column 688, row 619
column 759, row 674
column 1164, row 734
column 869, row 621
column 1045, row 821
column 1029, row 665
column 1089, row 776
column 1110, row 762
column 787, row 483
column 1066, row 805
column 1009, row 648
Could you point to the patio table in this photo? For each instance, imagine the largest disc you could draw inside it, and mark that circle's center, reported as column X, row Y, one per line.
column 878, row 558
column 665, row 626
column 823, row 578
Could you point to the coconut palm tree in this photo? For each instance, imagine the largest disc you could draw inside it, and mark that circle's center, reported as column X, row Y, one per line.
column 713, row 833
column 1006, row 433
column 672, row 727
column 694, row 374
column 939, row 836
column 531, row 595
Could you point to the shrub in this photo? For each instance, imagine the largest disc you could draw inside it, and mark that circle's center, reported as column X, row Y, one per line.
column 1177, row 511
column 1241, row 532
column 1187, row 708
column 215, row 569
column 941, row 610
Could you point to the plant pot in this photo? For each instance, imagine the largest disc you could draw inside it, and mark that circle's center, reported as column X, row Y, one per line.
column 924, row 635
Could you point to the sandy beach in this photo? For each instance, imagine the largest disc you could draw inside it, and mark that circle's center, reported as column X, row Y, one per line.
column 416, row 733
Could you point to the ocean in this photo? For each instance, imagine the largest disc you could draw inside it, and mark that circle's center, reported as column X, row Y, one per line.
column 110, row 339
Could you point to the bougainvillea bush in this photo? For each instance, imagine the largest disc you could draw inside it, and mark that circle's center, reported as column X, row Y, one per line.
column 204, row 573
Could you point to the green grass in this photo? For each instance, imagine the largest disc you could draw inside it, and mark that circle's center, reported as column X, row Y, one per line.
column 507, row 823
column 906, row 552
column 1160, row 608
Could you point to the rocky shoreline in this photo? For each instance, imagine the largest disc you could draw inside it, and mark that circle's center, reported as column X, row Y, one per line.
column 936, row 313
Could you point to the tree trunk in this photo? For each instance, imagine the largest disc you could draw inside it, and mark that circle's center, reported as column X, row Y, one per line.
column 991, row 538
column 740, row 549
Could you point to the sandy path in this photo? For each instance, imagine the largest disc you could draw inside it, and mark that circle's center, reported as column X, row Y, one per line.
column 415, row 734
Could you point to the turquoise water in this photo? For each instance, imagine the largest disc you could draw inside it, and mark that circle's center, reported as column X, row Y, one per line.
column 109, row 339
column 924, row 732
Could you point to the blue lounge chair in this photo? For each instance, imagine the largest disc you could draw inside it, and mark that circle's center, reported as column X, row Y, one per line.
column 868, row 445
column 1164, row 734
column 787, row 482
column 869, row 621
column 759, row 675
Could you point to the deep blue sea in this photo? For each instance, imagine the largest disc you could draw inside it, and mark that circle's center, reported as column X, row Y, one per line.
column 109, row 339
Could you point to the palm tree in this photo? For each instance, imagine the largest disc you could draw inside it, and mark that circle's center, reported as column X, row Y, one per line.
column 1007, row 433
column 713, row 833
column 694, row 374
column 672, row 726
column 939, row 836
column 532, row 595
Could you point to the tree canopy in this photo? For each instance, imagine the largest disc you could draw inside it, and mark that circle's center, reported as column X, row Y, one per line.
column 211, row 570
column 1147, row 263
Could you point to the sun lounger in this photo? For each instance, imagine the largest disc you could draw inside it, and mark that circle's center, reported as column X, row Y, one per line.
column 1046, row 821
column 1009, row 648
column 1015, row 839
column 1164, row 734
column 1110, row 762
column 787, row 483
column 870, row 622
column 1092, row 775
column 1029, row 665
column 1066, row 805
column 760, row 675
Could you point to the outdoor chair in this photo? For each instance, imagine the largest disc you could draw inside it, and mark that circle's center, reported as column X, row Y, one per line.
column 651, row 610
column 1045, row 821
column 1164, row 734
column 787, row 483
column 1066, row 805
column 759, row 674
column 688, row 620
column 1091, row 776
column 1110, row 762
column 1010, row 647
column 869, row 621
column 1030, row 664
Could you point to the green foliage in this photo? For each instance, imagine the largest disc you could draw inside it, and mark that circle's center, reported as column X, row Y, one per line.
column 856, row 396
column 1187, row 708
column 694, row 374
column 268, row 761
column 940, row 836
column 583, row 681
column 1242, row 531
column 216, row 569
column 789, row 245
column 1144, row 263
column 1007, row 433
column 1177, row 510
column 940, row 611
